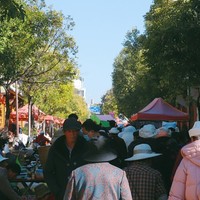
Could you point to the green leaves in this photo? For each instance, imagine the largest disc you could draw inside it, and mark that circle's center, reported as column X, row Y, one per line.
column 38, row 51
column 10, row 9
column 164, row 61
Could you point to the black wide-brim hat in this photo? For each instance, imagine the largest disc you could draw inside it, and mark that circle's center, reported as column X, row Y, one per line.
column 99, row 150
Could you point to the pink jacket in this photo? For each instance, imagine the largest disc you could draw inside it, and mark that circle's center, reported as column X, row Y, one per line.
column 186, row 182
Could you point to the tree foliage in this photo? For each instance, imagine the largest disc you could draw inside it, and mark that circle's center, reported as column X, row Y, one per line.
column 10, row 9
column 173, row 30
column 130, row 75
column 37, row 51
column 59, row 100
column 162, row 62
column 109, row 104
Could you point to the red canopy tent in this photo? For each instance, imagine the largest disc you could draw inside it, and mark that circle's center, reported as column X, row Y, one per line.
column 23, row 113
column 160, row 110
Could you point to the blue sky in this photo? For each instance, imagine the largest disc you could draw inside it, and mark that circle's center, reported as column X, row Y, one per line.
column 100, row 29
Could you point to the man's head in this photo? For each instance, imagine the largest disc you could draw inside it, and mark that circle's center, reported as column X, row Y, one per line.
column 89, row 127
column 73, row 115
column 71, row 128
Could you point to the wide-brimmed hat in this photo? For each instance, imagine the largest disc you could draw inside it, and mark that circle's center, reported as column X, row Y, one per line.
column 2, row 158
column 114, row 130
column 169, row 124
column 142, row 151
column 99, row 150
column 147, row 131
column 163, row 132
column 41, row 190
column 195, row 130
column 71, row 124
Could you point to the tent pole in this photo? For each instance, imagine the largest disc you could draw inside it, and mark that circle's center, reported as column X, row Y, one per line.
column 17, row 116
column 29, row 118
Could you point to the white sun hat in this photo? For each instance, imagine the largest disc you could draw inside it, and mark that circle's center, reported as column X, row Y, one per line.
column 147, row 131
column 195, row 130
column 142, row 151
column 114, row 130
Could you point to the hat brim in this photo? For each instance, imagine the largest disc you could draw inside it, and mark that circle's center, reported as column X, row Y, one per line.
column 194, row 132
column 2, row 159
column 99, row 157
column 142, row 156
column 113, row 133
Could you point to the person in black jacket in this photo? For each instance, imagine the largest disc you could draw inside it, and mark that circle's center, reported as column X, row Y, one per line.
column 64, row 155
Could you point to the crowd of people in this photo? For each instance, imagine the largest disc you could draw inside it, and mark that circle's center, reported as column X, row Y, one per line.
column 147, row 155
column 87, row 161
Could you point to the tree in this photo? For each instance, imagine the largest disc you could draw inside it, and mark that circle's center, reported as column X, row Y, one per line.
column 37, row 51
column 130, row 80
column 172, row 45
column 109, row 103
column 59, row 100
column 10, row 9
column 164, row 61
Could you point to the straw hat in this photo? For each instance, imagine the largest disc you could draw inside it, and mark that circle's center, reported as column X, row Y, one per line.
column 142, row 151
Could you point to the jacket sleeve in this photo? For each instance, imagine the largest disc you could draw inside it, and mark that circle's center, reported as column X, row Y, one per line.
column 177, row 191
column 7, row 190
column 70, row 189
column 50, row 174
column 125, row 189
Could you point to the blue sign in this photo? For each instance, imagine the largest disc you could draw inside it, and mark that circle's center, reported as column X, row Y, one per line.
column 95, row 109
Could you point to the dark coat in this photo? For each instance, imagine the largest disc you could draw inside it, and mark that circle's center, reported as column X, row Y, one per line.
column 60, row 164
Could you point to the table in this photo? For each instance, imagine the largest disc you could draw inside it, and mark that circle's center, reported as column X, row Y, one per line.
column 27, row 183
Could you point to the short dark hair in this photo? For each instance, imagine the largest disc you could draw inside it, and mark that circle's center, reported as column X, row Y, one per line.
column 89, row 125
column 73, row 115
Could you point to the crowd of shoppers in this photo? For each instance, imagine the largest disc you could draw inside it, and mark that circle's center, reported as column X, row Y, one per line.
column 144, row 159
column 88, row 161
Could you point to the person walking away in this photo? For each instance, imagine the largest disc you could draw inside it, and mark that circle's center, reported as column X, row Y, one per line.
column 119, row 145
column 145, row 182
column 63, row 157
column 169, row 148
column 98, row 179
column 186, row 180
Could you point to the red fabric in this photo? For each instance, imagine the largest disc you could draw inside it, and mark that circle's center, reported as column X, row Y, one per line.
column 42, row 140
column 158, row 109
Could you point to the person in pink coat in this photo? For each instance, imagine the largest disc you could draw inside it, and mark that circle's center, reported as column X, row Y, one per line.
column 186, row 181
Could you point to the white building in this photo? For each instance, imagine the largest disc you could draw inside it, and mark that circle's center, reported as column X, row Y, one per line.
column 79, row 89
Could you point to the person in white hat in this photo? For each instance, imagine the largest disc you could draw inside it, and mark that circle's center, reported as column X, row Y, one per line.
column 120, row 147
column 144, row 181
column 186, row 180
